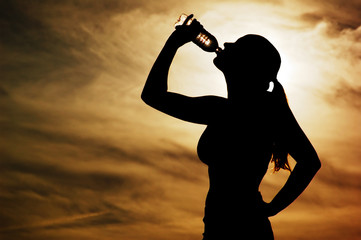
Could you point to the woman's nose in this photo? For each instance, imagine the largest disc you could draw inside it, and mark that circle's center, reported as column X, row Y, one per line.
column 227, row 44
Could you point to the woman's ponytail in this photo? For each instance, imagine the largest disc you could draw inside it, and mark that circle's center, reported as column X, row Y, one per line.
column 279, row 148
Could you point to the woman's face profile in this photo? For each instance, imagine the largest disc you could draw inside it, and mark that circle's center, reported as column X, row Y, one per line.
column 227, row 57
column 252, row 59
column 237, row 58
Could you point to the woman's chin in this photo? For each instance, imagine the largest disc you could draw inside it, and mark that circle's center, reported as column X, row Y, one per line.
column 218, row 63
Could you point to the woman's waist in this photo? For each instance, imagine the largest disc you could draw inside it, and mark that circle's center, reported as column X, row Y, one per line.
column 236, row 177
column 246, row 203
column 233, row 195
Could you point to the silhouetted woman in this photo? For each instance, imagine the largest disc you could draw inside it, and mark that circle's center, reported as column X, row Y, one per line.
column 244, row 132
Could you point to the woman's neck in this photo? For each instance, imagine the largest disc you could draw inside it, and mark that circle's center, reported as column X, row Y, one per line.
column 242, row 90
column 244, row 94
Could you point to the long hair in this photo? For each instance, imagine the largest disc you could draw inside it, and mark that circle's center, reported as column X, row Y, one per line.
column 279, row 148
column 265, row 61
column 280, row 157
column 265, row 56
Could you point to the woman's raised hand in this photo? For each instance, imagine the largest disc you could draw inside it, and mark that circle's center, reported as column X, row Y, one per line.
column 186, row 33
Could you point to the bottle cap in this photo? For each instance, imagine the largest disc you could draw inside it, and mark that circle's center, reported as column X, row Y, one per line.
column 219, row 50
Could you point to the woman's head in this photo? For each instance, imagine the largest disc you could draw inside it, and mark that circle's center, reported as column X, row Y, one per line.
column 251, row 60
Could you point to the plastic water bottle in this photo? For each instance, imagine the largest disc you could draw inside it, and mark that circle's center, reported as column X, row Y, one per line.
column 204, row 39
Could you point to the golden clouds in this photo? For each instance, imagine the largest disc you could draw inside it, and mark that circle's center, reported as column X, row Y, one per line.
column 83, row 157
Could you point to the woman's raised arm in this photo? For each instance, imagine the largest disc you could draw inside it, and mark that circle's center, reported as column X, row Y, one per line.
column 156, row 94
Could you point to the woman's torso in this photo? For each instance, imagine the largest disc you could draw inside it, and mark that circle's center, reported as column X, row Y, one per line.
column 237, row 147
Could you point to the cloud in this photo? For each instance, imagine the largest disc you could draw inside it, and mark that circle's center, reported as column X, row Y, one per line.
column 342, row 15
column 41, row 46
column 345, row 94
column 54, row 193
column 56, row 48
column 61, row 179
column 337, row 59
column 3, row 92
column 342, row 68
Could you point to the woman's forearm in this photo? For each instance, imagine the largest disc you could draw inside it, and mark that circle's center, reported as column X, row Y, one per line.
column 157, row 81
column 299, row 179
column 156, row 84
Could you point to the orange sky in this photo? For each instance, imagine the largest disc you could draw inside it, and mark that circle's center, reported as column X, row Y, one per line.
column 82, row 157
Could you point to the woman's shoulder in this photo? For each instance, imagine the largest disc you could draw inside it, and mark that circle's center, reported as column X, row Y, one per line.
column 215, row 100
column 219, row 107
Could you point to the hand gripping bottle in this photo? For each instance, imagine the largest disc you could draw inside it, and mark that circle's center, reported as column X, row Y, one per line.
column 204, row 39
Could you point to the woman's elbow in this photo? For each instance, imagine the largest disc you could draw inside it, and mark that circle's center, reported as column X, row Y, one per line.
column 145, row 97
column 315, row 164
column 310, row 165
column 150, row 98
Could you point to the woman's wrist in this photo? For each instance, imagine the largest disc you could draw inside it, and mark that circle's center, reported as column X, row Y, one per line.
column 173, row 42
column 271, row 210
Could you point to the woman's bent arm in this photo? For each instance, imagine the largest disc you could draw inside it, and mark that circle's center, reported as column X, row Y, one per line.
column 308, row 163
column 301, row 149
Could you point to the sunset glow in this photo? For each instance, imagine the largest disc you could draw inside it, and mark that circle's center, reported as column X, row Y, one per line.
column 82, row 157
